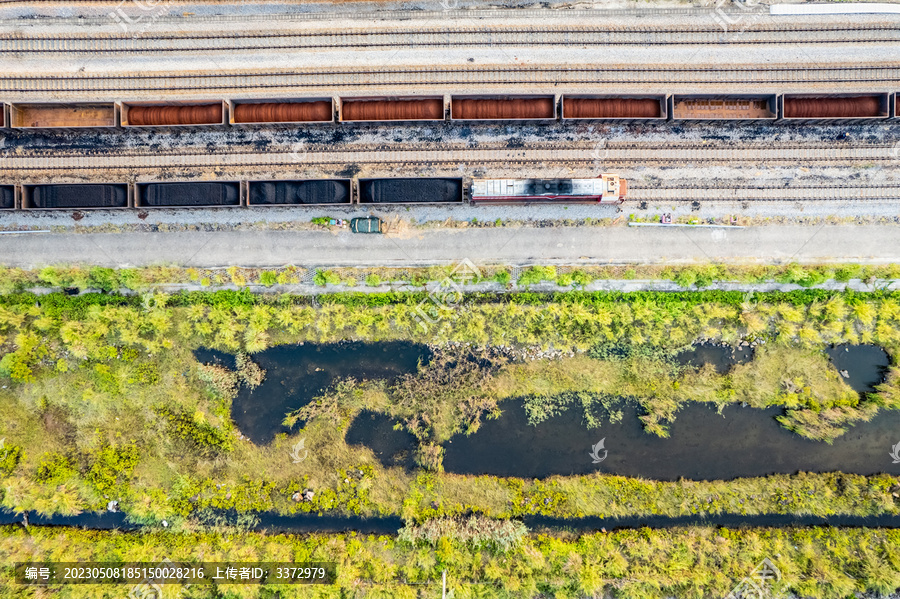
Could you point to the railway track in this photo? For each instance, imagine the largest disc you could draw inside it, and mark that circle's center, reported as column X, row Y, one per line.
column 608, row 156
column 519, row 77
column 738, row 193
column 453, row 37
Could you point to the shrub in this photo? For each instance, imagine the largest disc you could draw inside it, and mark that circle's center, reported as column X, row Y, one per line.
column 845, row 273
column 805, row 277
column 110, row 466
column 373, row 280
column 12, row 455
column 54, row 468
column 686, row 278
column 537, row 274
column 287, row 277
column 14, row 279
column 320, row 220
column 18, row 364
column 146, row 373
column 104, row 279
column 326, row 277
column 236, row 277
column 503, row 277
column 268, row 278
column 194, row 428
column 105, row 380
column 581, row 278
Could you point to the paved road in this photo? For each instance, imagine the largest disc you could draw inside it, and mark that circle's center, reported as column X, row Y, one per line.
column 520, row 246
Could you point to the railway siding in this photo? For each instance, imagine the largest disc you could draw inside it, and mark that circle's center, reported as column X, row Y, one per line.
column 455, row 154
column 477, row 79
column 449, row 37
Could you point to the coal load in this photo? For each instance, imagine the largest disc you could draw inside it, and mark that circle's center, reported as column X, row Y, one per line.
column 300, row 192
column 388, row 191
column 79, row 196
column 205, row 193
column 7, row 196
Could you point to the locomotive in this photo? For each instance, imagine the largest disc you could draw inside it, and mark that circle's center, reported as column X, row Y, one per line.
column 605, row 189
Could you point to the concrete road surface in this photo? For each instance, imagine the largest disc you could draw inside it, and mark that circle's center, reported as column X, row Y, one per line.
column 516, row 246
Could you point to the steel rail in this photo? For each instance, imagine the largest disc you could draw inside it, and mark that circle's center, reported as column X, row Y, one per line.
column 448, row 37
column 607, row 158
column 463, row 77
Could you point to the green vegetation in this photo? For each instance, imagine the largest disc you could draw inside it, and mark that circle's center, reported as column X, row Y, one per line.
column 326, row 277
column 819, row 563
column 145, row 279
column 537, row 274
column 103, row 401
column 268, row 278
column 503, row 277
column 72, row 428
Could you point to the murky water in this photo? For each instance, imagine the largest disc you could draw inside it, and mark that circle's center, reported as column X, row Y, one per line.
column 702, row 445
column 295, row 374
column 722, row 357
column 862, row 366
column 376, row 431
column 389, row 525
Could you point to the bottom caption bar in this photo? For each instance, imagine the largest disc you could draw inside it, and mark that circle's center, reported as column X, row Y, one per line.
column 169, row 572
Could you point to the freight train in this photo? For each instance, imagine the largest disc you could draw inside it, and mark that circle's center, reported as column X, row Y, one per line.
column 607, row 189
column 782, row 108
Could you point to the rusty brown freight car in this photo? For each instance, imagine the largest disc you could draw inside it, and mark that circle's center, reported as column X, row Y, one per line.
column 283, row 112
column 53, row 116
column 143, row 115
column 392, row 109
column 612, row 108
column 835, row 107
column 508, row 108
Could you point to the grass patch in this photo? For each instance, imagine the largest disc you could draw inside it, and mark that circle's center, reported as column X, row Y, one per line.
column 632, row 564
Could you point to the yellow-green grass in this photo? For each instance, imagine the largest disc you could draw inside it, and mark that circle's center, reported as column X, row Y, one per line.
column 94, row 379
column 689, row 563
